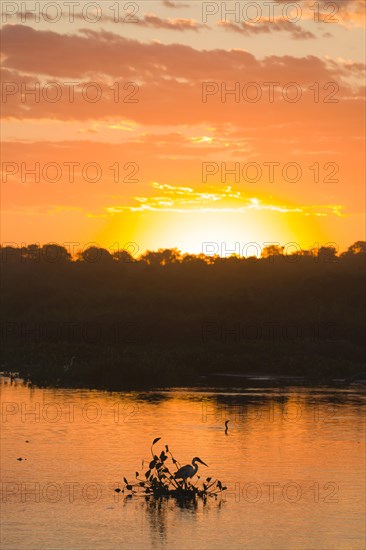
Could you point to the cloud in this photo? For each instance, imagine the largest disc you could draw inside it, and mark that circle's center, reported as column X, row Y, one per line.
column 175, row 5
column 183, row 200
column 349, row 12
column 170, row 172
column 151, row 20
column 343, row 12
column 90, row 53
column 169, row 80
column 171, row 122
column 279, row 25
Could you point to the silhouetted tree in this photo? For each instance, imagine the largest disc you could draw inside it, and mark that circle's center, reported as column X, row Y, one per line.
column 359, row 247
column 94, row 255
column 146, row 315
column 327, row 254
column 54, row 253
column 194, row 259
column 123, row 257
column 272, row 250
column 164, row 256
column 31, row 253
column 10, row 254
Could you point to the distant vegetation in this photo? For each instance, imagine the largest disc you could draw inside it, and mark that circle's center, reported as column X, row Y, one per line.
column 162, row 480
column 167, row 318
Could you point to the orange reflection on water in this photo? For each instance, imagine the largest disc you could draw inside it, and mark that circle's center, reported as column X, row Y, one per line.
column 293, row 462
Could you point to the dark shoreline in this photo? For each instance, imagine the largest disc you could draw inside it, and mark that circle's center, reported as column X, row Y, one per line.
column 168, row 320
column 136, row 368
column 252, row 384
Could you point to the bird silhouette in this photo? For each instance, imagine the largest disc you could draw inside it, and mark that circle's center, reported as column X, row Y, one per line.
column 70, row 364
column 188, row 470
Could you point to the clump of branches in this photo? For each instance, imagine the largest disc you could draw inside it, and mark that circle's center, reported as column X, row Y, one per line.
column 159, row 481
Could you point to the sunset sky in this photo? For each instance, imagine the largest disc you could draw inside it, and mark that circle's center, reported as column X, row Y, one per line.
column 159, row 137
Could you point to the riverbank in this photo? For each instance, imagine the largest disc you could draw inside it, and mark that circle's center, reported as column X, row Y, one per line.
column 136, row 367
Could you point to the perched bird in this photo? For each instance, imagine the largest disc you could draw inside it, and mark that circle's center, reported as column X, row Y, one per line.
column 226, row 426
column 188, row 471
column 68, row 367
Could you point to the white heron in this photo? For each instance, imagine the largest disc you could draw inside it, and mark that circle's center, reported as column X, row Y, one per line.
column 188, row 471
column 68, row 367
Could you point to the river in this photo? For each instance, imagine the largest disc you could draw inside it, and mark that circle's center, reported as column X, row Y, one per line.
column 293, row 461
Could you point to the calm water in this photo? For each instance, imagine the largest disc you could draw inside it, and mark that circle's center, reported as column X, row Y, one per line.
column 293, row 462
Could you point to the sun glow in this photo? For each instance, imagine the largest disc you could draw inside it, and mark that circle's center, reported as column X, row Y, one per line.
column 195, row 232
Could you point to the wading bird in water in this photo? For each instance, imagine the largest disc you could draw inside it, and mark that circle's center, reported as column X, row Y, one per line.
column 70, row 364
column 188, row 471
column 226, row 426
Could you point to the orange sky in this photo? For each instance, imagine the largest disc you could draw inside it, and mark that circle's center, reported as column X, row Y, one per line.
column 162, row 158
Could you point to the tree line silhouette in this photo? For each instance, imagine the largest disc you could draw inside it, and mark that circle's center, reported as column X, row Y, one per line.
column 54, row 253
column 172, row 318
